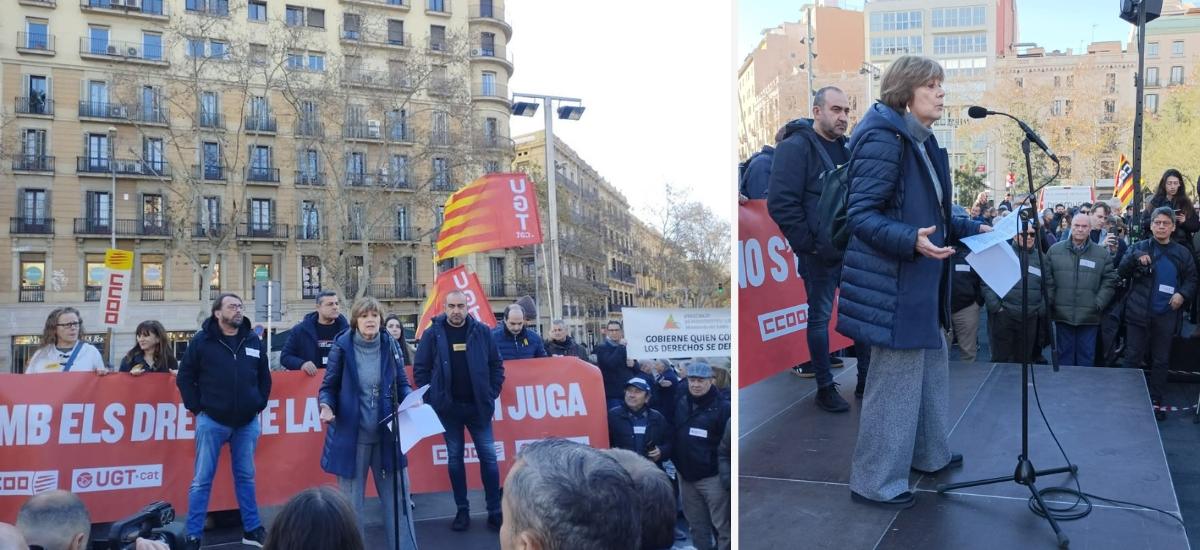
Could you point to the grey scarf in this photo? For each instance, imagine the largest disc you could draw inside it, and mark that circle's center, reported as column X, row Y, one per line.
column 921, row 134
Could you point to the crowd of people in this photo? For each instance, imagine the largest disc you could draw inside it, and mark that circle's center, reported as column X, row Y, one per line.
column 907, row 291
column 673, row 417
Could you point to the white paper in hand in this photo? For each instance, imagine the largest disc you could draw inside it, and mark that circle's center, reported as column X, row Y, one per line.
column 416, row 424
column 998, row 267
column 1003, row 231
column 411, row 399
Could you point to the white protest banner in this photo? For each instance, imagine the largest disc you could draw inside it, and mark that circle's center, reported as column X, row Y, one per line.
column 115, row 291
column 653, row 333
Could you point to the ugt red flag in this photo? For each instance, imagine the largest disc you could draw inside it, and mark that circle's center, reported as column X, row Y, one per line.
column 456, row 279
column 494, row 211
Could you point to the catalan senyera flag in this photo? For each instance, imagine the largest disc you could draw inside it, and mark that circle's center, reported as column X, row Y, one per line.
column 458, row 278
column 1123, row 189
column 115, row 291
column 494, row 211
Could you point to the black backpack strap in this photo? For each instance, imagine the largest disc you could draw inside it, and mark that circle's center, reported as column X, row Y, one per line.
column 828, row 162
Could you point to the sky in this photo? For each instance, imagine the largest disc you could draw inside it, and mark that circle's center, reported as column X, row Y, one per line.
column 658, row 92
column 1053, row 24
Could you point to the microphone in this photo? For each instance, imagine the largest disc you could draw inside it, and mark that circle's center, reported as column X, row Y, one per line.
column 976, row 111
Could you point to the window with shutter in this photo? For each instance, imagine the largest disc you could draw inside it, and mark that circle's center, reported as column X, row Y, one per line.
column 395, row 32
column 316, row 18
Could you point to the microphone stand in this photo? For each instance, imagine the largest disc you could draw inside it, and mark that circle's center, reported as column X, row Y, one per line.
column 1025, row 474
column 398, row 483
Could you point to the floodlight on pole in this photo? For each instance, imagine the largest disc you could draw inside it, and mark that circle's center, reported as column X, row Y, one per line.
column 565, row 112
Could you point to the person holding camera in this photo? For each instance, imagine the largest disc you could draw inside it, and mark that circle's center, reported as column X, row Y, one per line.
column 1164, row 278
column 357, row 399
column 151, row 353
column 637, row 427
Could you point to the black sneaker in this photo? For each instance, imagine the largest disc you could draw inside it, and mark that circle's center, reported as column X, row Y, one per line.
column 462, row 520
column 804, row 371
column 191, row 543
column 829, row 399
column 256, row 538
column 899, row 502
column 836, row 362
column 495, row 520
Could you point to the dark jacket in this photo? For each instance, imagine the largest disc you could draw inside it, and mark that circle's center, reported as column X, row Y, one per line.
column 795, row 187
column 301, row 345
column 610, row 357
column 658, row 432
column 725, row 458
column 755, row 173
column 891, row 296
column 1183, row 231
column 432, row 366
column 700, row 423
column 566, row 348
column 1080, row 284
column 664, row 399
column 1011, row 302
column 964, row 282
column 526, row 344
column 230, row 385
column 340, row 390
column 139, row 358
column 1141, row 292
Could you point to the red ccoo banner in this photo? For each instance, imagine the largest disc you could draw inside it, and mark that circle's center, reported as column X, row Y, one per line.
column 121, row 442
column 772, row 304
column 456, row 279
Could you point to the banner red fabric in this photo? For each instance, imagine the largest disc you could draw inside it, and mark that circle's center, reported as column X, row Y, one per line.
column 772, row 304
column 121, row 442
column 458, row 278
column 494, row 211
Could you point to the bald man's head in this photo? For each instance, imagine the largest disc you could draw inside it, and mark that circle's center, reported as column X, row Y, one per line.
column 11, row 539
column 57, row 520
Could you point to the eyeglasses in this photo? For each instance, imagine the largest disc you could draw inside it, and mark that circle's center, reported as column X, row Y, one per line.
column 69, row 325
column 1161, row 223
column 234, row 307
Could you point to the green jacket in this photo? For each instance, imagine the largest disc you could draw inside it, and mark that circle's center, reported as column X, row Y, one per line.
column 1080, row 283
column 1011, row 302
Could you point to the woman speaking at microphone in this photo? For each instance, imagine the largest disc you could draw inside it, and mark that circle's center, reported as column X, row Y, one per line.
column 356, row 395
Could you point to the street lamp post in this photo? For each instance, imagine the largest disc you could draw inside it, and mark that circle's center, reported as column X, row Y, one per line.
column 566, row 112
column 112, row 200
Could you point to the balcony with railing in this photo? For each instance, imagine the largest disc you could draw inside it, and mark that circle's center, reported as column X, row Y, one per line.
column 386, row 233
column 33, row 163
column 209, row 231
column 38, row 43
column 210, row 120
column 494, row 143
column 309, row 178
column 262, row 175
column 102, row 110
column 393, row 179
column 403, row 291
column 91, row 293
column 103, row 227
column 262, row 231
column 34, row 106
column 151, row 9
column 437, row 45
column 360, row 131
column 384, row 80
column 153, row 294
column 111, row 50
column 31, row 225
column 400, row 5
column 444, row 182
column 307, row 127
column 208, row 172
column 310, row 232
column 363, row 37
column 137, row 168
column 489, row 90
column 261, row 124
column 487, row 10
column 212, row 8
column 491, row 52
column 151, row 114
column 32, row 293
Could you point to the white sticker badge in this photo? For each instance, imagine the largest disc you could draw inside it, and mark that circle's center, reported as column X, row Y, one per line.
column 251, row 352
column 1087, row 263
column 639, row 430
column 697, row 432
column 1166, row 289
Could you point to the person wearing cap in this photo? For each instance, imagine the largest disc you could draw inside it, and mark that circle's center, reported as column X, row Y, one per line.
column 637, row 427
column 700, row 419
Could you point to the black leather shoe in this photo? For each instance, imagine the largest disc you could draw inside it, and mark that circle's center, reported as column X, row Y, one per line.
column 495, row 520
column 956, row 461
column 899, row 502
column 829, row 399
column 860, row 388
column 462, row 520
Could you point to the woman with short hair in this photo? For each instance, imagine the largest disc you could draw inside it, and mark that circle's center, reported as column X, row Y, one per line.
column 63, row 348
column 151, row 352
column 317, row 518
column 356, row 400
column 895, row 290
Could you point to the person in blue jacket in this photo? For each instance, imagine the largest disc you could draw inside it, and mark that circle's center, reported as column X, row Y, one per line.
column 514, row 340
column 458, row 359
column 357, row 398
column 308, row 344
column 895, row 289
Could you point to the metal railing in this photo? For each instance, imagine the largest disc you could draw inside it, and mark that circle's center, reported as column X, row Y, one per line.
column 31, row 226
column 36, row 41
column 261, row 123
column 100, row 109
column 487, row 10
column 149, row 114
column 34, row 106
column 153, row 294
column 210, row 172
column 493, row 51
column 376, row 79
column 393, row 291
column 213, row 230
column 309, row 232
column 363, row 36
column 437, row 45
column 309, row 178
column 32, row 293
column 91, row 293
column 308, row 128
column 494, row 142
column 211, row 120
column 33, row 163
column 262, row 231
column 135, row 228
column 262, row 174
column 122, row 167
column 217, row 8
column 493, row 89
column 120, row 50
column 146, row 7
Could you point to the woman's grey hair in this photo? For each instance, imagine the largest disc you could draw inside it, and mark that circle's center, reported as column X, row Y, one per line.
column 572, row 497
column 905, row 75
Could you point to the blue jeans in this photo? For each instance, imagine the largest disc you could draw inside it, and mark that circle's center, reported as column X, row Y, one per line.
column 455, row 419
column 820, row 281
column 1077, row 345
column 210, row 437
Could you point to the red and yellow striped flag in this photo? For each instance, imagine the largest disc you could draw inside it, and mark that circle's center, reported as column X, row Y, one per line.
column 1123, row 190
column 494, row 211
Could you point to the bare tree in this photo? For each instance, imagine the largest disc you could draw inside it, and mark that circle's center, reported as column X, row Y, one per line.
column 694, row 258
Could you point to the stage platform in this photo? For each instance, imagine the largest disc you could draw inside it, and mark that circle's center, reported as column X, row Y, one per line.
column 794, row 466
